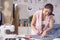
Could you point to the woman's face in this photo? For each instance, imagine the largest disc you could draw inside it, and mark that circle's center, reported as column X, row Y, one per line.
column 46, row 11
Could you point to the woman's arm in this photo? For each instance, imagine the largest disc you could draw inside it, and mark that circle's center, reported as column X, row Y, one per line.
column 48, row 29
column 33, row 24
column 51, row 24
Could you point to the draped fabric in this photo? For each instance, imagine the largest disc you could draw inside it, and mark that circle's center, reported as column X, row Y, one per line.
column 39, row 21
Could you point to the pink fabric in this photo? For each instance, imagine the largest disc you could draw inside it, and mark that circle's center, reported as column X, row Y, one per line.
column 39, row 20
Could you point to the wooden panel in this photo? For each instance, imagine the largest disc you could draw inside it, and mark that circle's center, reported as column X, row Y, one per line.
column 16, row 20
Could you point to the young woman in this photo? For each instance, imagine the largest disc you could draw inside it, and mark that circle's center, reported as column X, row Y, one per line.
column 42, row 21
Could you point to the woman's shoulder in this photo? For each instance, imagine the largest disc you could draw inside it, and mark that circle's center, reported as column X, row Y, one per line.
column 38, row 12
column 51, row 17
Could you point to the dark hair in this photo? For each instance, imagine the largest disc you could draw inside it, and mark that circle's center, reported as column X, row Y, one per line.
column 49, row 6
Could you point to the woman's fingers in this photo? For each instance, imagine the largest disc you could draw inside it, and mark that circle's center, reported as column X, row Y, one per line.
column 43, row 34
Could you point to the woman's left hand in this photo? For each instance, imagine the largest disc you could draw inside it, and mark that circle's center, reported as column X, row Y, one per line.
column 43, row 34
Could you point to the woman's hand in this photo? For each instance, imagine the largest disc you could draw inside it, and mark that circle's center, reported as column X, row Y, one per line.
column 43, row 34
column 36, row 31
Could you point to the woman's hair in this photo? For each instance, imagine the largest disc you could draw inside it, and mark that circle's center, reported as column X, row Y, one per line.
column 49, row 6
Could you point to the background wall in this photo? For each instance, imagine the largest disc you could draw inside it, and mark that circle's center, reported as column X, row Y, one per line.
column 35, row 5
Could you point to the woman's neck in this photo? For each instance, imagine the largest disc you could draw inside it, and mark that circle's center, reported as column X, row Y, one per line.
column 43, row 13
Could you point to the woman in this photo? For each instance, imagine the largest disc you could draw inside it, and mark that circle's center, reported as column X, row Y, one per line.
column 42, row 21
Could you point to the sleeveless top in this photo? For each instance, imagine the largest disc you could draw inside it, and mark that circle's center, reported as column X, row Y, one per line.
column 39, row 20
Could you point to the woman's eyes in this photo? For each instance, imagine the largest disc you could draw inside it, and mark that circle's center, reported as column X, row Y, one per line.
column 47, row 11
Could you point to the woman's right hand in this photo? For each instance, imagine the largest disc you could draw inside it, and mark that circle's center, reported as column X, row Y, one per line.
column 36, row 31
